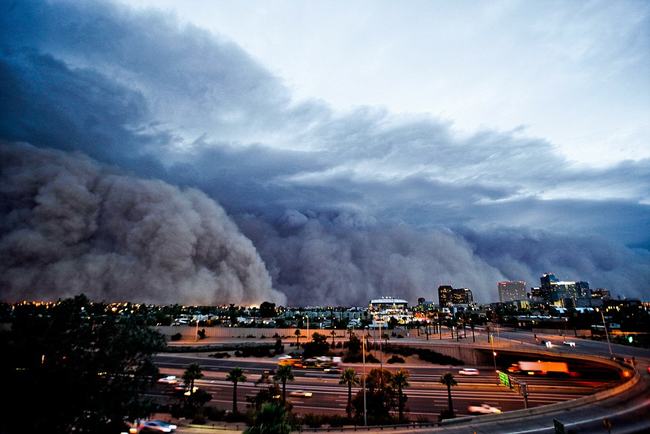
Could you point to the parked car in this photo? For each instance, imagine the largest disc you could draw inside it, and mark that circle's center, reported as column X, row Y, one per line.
column 157, row 426
column 483, row 409
column 301, row 393
column 468, row 371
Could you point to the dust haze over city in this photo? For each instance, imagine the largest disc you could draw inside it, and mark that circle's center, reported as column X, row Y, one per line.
column 321, row 153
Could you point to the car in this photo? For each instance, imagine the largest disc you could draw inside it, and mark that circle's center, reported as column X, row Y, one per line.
column 547, row 344
column 170, row 379
column 332, row 370
column 483, row 409
column 569, row 343
column 157, row 426
column 301, row 393
column 468, row 371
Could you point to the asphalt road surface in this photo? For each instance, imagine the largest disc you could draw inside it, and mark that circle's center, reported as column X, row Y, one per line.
column 426, row 396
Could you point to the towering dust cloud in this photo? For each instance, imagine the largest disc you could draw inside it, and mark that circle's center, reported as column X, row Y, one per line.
column 69, row 225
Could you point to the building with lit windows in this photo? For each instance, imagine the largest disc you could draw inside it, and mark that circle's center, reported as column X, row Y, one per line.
column 511, row 290
column 448, row 296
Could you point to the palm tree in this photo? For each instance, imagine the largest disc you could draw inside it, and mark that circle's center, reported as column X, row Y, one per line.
column 193, row 372
column 349, row 377
column 448, row 380
column 271, row 418
column 333, row 333
column 297, row 333
column 283, row 375
column 400, row 381
column 236, row 375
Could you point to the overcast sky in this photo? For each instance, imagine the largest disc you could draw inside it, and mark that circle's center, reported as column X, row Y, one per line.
column 574, row 73
column 365, row 148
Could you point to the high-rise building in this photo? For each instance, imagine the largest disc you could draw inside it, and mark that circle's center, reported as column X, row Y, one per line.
column 462, row 296
column 444, row 295
column 545, row 287
column 511, row 290
column 448, row 295
column 562, row 293
column 583, row 289
column 600, row 293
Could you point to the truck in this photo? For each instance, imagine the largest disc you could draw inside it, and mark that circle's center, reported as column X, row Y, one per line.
column 539, row 368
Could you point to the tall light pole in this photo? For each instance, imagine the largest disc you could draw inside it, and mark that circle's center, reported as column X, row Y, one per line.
column 494, row 357
column 363, row 352
column 609, row 345
column 307, row 316
column 381, row 353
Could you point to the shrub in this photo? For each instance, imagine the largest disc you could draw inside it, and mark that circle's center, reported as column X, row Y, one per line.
column 199, row 420
column 220, row 355
column 337, row 420
column 214, row 413
column 395, row 359
column 358, row 357
column 176, row 337
column 313, row 420
column 424, row 354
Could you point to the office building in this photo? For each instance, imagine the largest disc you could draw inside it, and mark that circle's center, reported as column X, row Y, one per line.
column 444, row 295
column 448, row 296
column 511, row 290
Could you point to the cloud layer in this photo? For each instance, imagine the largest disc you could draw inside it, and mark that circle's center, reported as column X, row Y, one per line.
column 69, row 226
column 341, row 206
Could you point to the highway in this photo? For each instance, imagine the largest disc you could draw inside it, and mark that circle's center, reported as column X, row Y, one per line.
column 426, row 396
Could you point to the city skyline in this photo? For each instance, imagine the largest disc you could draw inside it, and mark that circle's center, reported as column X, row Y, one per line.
column 176, row 153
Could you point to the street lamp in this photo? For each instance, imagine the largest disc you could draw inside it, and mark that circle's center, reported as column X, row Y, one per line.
column 609, row 345
column 363, row 352
column 494, row 358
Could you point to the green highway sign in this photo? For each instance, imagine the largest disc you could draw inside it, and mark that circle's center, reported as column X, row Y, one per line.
column 504, row 378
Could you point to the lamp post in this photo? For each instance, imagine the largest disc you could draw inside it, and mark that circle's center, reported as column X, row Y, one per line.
column 363, row 352
column 609, row 345
column 471, row 324
column 494, row 357
column 381, row 352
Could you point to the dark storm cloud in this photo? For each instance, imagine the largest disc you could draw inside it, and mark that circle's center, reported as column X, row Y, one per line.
column 522, row 253
column 342, row 260
column 158, row 99
column 69, row 225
